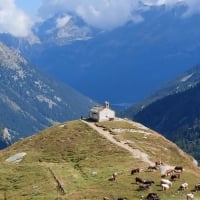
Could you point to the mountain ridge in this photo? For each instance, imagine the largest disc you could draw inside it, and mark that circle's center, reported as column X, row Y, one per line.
column 31, row 96
column 181, row 83
column 175, row 114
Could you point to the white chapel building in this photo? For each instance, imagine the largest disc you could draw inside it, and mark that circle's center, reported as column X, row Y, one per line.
column 102, row 113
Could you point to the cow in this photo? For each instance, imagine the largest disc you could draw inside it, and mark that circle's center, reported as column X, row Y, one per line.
column 164, row 186
column 149, row 182
column 106, row 198
column 197, row 187
column 143, row 186
column 138, row 180
column 113, row 177
column 190, row 196
column 152, row 196
column 165, row 181
column 175, row 176
column 158, row 163
column 183, row 186
column 178, row 169
column 134, row 171
column 152, row 168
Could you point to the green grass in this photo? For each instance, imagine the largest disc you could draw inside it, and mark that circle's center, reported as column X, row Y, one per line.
column 83, row 161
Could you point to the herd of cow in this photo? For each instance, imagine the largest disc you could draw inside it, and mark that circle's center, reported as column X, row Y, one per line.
column 145, row 184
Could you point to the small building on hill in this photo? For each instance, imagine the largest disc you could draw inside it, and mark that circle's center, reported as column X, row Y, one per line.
column 102, row 113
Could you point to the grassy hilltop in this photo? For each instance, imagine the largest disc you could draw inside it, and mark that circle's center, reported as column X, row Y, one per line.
column 73, row 161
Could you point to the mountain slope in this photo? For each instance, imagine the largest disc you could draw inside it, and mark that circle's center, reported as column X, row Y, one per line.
column 177, row 117
column 30, row 100
column 73, row 161
column 179, row 84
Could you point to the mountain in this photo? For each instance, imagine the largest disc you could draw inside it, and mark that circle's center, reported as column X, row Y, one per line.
column 72, row 160
column 30, row 100
column 135, row 58
column 174, row 112
column 62, row 29
column 181, row 83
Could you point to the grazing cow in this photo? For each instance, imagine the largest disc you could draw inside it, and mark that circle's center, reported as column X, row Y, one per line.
column 138, row 180
column 115, row 174
column 152, row 168
column 183, row 186
column 153, row 196
column 190, row 196
column 134, row 171
column 197, row 187
column 164, row 186
column 122, row 198
column 165, row 181
column 113, row 177
column 143, row 186
column 149, row 182
column 178, row 169
column 175, row 176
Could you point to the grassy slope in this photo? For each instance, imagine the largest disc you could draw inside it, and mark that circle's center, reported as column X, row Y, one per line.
column 73, row 152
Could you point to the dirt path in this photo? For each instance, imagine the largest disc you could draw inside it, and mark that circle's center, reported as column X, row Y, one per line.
column 135, row 152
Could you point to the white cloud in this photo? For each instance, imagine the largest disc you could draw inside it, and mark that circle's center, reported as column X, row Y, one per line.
column 108, row 14
column 13, row 20
column 193, row 7
column 104, row 14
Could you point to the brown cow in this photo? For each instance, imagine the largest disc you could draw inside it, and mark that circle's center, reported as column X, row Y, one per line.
column 175, row 176
column 138, row 180
column 134, row 171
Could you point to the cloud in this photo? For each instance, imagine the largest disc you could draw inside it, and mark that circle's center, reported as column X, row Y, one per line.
column 13, row 20
column 193, row 7
column 109, row 14
column 103, row 14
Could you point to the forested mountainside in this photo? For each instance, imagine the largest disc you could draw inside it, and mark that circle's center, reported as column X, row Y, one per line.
column 181, row 83
column 31, row 100
column 177, row 117
column 76, row 160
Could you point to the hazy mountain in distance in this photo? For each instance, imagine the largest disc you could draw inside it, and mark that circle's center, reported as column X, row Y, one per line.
column 31, row 100
column 125, row 64
column 181, row 83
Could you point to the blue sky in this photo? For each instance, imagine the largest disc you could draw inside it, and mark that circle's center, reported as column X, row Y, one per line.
column 31, row 7
column 18, row 16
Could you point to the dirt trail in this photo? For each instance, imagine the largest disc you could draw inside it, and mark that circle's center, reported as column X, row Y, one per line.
column 135, row 152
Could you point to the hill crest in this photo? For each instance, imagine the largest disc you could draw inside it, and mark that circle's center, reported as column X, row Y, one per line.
column 83, row 160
